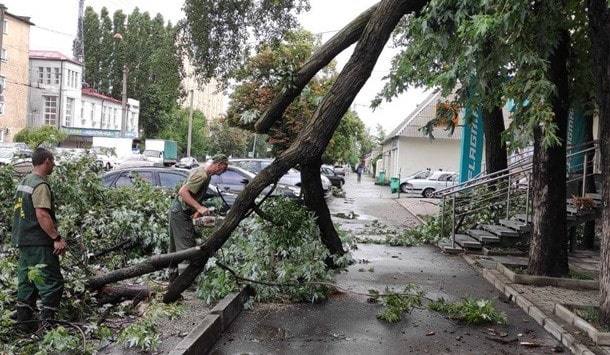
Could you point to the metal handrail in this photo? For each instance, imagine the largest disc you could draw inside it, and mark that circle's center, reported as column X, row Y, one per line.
column 521, row 167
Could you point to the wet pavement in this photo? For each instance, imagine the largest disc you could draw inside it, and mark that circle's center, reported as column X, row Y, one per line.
column 347, row 323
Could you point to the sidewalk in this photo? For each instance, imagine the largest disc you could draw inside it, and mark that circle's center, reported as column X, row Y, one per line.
column 537, row 301
column 346, row 323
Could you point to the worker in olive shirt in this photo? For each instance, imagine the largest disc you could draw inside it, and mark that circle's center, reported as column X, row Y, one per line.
column 188, row 202
column 35, row 233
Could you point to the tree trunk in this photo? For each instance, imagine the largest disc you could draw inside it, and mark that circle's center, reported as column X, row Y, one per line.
column 307, row 148
column 313, row 138
column 314, row 200
column 327, row 52
column 599, row 22
column 495, row 148
column 119, row 293
column 548, row 254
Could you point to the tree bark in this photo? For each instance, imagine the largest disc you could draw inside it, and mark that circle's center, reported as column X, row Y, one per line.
column 116, row 294
column 599, row 23
column 314, row 200
column 495, row 148
column 548, row 254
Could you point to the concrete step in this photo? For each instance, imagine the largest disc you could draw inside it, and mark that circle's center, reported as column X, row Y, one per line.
column 467, row 242
column 483, row 236
column 517, row 225
column 500, row 231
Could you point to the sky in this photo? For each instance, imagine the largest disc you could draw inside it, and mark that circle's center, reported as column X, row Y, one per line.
column 56, row 25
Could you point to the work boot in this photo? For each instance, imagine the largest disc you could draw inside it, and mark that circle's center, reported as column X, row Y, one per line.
column 47, row 316
column 26, row 323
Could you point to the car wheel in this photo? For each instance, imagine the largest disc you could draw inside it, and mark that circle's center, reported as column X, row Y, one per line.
column 428, row 193
column 403, row 188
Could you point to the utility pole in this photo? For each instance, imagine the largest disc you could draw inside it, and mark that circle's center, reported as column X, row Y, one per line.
column 190, row 134
column 124, row 102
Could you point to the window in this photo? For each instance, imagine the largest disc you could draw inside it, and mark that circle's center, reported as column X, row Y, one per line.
column 1, row 105
column 5, row 27
column 4, row 54
column 82, row 111
column 69, row 111
column 170, row 180
column 2, row 83
column 50, row 110
column 57, row 75
column 48, row 71
column 92, row 112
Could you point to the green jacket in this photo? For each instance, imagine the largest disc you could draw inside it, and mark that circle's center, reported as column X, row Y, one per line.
column 26, row 229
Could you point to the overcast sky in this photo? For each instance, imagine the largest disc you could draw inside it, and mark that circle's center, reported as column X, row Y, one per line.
column 56, row 23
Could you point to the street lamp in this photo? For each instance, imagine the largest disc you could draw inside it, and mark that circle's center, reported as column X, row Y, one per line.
column 118, row 37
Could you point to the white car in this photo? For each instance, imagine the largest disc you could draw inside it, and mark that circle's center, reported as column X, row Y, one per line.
column 133, row 161
column 438, row 180
column 421, row 174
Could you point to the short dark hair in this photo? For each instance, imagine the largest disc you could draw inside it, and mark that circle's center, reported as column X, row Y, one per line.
column 40, row 155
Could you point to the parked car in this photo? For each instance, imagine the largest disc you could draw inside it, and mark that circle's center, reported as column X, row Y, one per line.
column 339, row 170
column 187, row 163
column 292, row 176
column 335, row 179
column 167, row 178
column 20, row 160
column 436, row 181
column 234, row 180
column 421, row 174
column 134, row 160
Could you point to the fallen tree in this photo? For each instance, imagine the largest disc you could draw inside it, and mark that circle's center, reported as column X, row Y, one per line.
column 305, row 150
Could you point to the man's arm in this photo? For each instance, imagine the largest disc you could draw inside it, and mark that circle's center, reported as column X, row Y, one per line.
column 187, row 197
column 46, row 223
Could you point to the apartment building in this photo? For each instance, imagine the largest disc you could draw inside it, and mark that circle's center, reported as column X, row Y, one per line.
column 206, row 98
column 58, row 99
column 14, row 64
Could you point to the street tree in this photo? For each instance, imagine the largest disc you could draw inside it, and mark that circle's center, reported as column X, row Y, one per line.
column 179, row 132
column 599, row 31
column 142, row 47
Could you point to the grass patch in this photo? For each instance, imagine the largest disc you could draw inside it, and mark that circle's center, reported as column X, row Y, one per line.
column 589, row 314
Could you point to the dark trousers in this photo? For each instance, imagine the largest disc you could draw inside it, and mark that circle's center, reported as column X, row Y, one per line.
column 49, row 286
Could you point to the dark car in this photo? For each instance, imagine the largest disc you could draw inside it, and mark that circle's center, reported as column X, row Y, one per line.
column 235, row 180
column 335, row 179
column 166, row 178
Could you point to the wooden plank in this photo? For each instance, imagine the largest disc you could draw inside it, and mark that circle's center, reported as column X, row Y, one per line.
column 500, row 231
column 519, row 226
column 467, row 242
column 483, row 236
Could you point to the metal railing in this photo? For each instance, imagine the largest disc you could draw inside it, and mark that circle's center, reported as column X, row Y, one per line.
column 509, row 189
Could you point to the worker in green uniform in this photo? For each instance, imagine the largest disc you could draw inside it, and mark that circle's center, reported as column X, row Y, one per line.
column 36, row 236
column 187, row 203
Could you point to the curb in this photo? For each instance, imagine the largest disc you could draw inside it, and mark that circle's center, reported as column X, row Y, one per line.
column 554, row 329
column 203, row 337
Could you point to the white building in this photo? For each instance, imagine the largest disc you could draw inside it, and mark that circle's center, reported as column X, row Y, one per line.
column 406, row 150
column 56, row 98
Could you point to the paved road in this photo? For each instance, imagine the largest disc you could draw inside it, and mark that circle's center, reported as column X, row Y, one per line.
column 346, row 323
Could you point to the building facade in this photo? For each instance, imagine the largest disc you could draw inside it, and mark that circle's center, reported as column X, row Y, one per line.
column 206, row 98
column 14, row 64
column 57, row 99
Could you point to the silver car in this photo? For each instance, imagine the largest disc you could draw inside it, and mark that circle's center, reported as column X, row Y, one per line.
column 438, row 180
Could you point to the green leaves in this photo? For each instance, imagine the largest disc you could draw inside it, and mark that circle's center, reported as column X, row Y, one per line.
column 470, row 311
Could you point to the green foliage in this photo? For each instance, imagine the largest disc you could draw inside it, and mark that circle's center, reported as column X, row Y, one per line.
column 34, row 137
column 396, row 304
column 147, row 49
column 287, row 254
column 224, row 40
column 470, row 311
column 143, row 334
